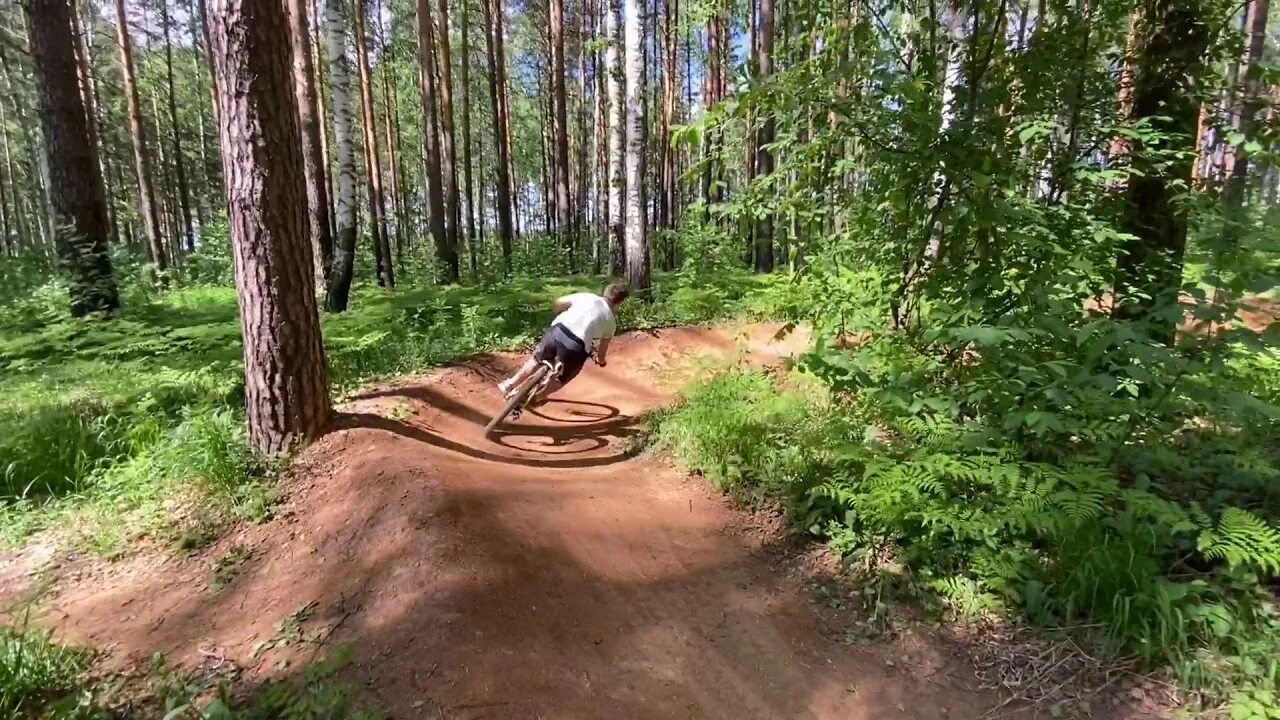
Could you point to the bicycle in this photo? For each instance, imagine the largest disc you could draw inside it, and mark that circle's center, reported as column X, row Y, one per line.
column 519, row 401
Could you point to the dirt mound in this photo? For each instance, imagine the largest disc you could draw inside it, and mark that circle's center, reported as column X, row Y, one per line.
column 551, row 573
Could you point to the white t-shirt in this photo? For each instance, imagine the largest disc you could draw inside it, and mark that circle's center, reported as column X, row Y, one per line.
column 589, row 317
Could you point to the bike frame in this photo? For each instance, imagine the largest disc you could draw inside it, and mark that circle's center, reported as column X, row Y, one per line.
column 535, row 385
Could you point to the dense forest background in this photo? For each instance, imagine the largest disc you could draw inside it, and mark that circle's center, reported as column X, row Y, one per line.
column 1037, row 242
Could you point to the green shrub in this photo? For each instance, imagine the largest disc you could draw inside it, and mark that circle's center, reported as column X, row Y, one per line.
column 44, row 680
column 40, row 679
column 53, row 449
column 984, row 525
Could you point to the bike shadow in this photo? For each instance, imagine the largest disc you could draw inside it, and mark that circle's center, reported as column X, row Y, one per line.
column 568, row 434
column 573, row 427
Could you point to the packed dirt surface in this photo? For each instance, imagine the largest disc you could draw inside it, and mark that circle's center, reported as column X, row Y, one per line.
column 551, row 572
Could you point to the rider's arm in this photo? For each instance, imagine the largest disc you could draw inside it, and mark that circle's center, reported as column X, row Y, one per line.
column 602, row 345
column 563, row 304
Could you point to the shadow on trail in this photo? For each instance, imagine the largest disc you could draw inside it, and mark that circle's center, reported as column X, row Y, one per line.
column 605, row 412
column 598, row 436
column 478, row 609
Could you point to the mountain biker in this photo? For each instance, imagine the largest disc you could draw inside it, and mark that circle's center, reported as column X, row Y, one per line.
column 583, row 320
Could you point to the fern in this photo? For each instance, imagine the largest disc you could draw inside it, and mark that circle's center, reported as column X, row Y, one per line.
column 1241, row 538
column 966, row 596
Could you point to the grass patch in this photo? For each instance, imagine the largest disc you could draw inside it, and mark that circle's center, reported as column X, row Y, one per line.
column 43, row 680
column 40, row 679
column 132, row 427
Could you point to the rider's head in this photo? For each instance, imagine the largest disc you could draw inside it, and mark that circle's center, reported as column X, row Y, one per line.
column 615, row 294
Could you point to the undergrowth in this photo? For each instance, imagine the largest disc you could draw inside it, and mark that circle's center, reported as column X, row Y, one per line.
column 132, row 426
column 41, row 679
column 1056, row 469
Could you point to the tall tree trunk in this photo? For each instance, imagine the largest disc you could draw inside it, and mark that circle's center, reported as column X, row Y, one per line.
column 617, row 138
column 179, row 162
column 36, row 172
column 637, row 230
column 167, row 209
column 320, row 85
column 89, row 90
column 395, row 158
column 670, row 80
column 764, row 137
column 446, row 251
column 448, row 148
column 20, row 226
column 141, row 154
column 497, row 83
column 286, row 390
column 344, row 246
column 79, row 200
column 200, row 180
column 395, row 155
column 1119, row 147
column 1245, row 108
column 309, row 121
column 710, row 96
column 517, row 187
column 1169, row 39
column 8, row 245
column 560, row 128
column 549, row 213
column 202, row 8
column 84, row 76
column 373, row 156
column 1204, row 149
column 468, row 187
column 601, row 139
column 578, row 218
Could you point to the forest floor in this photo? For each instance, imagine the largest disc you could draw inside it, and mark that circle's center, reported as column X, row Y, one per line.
column 555, row 571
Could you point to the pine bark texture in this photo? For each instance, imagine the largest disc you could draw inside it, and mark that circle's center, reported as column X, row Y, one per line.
column 286, row 389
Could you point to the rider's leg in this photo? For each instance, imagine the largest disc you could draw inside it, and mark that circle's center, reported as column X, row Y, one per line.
column 513, row 382
column 571, row 360
column 544, row 351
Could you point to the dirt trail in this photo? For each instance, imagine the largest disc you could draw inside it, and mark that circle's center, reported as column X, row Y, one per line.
column 550, row 574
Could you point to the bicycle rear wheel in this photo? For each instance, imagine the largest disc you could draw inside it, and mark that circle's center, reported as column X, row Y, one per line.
column 518, row 400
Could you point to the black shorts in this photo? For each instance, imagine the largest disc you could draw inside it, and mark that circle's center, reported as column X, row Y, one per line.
column 558, row 344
